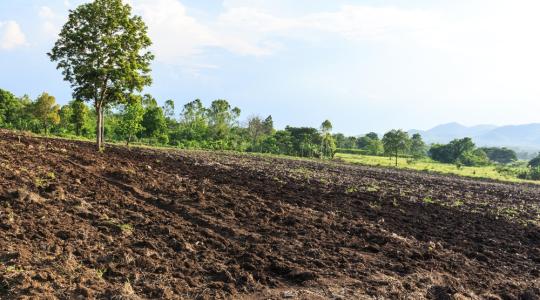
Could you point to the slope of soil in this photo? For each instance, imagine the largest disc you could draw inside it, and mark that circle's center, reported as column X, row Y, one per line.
column 149, row 224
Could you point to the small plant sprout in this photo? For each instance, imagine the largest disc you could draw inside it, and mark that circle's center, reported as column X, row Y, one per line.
column 458, row 203
column 100, row 273
column 351, row 190
column 126, row 229
column 428, row 200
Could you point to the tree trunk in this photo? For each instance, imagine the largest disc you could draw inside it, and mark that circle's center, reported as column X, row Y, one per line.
column 396, row 157
column 102, row 129
column 99, row 124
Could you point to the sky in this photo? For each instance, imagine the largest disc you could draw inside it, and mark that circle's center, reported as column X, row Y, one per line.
column 366, row 65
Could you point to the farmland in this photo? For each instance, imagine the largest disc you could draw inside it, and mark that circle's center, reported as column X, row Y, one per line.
column 168, row 224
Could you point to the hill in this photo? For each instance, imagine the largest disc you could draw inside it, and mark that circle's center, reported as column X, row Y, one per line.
column 526, row 137
column 145, row 223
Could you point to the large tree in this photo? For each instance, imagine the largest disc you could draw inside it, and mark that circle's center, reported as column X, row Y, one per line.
column 102, row 52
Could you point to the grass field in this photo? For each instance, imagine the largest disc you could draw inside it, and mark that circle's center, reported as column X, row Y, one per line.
column 489, row 172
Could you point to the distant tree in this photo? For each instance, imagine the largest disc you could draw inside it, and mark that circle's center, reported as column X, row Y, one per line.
column 477, row 157
column 326, row 126
column 365, row 141
column 194, row 121
column 153, row 120
column 284, row 142
column 10, row 109
column 372, row 135
column 79, row 115
column 442, row 153
column 222, row 118
column 102, row 52
column 351, row 142
column 451, row 152
column 46, row 111
column 344, row 142
column 305, row 141
column 268, row 125
column 131, row 118
column 395, row 142
column 374, row 147
column 168, row 109
column 362, row 142
column 500, row 155
column 255, row 130
column 418, row 147
column 459, row 151
column 341, row 140
column 328, row 145
column 535, row 162
column 65, row 125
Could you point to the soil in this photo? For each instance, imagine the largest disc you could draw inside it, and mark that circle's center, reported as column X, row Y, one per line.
column 163, row 224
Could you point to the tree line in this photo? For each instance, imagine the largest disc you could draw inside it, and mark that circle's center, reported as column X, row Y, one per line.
column 218, row 127
column 142, row 120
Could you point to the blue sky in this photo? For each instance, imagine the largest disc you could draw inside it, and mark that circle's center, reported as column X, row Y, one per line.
column 365, row 65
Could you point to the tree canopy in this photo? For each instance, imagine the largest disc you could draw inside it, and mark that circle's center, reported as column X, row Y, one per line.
column 395, row 142
column 102, row 52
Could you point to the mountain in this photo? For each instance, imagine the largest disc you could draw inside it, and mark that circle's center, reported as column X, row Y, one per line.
column 526, row 137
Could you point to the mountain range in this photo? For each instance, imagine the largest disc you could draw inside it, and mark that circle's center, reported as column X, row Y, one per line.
column 523, row 137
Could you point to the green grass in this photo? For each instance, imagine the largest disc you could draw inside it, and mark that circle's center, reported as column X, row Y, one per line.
column 428, row 165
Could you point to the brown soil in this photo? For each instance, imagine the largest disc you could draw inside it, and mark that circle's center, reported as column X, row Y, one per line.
column 150, row 224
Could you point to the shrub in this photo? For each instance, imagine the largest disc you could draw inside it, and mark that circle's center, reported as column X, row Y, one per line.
column 530, row 174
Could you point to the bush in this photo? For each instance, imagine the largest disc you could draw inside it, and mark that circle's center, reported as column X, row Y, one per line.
column 474, row 158
column 530, row 174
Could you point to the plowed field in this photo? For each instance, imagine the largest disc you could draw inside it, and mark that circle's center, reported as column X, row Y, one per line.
column 156, row 224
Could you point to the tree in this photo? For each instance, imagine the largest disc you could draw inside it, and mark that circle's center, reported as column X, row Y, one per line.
column 452, row 151
column 396, row 141
column 305, row 141
column 102, row 53
column 326, row 126
column 328, row 145
column 372, row 135
column 535, row 162
column 222, row 118
column 500, row 155
column 418, row 147
column 10, row 109
column 46, row 111
column 375, row 147
column 268, row 125
column 366, row 140
column 168, row 110
column 194, row 121
column 131, row 119
column 153, row 120
column 255, row 130
column 476, row 157
column 79, row 115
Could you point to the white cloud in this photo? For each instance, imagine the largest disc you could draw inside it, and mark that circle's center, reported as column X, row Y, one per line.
column 250, row 30
column 11, row 35
column 50, row 22
column 175, row 34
